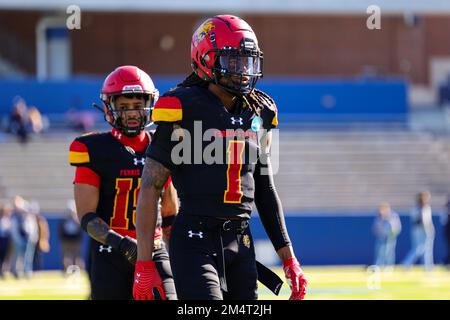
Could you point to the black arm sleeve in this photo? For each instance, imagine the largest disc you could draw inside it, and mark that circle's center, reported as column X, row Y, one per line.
column 160, row 148
column 269, row 206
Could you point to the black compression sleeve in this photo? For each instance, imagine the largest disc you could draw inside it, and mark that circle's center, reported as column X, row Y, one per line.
column 113, row 239
column 88, row 217
column 269, row 206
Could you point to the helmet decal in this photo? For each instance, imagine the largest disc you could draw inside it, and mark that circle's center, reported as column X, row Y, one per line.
column 132, row 88
column 202, row 32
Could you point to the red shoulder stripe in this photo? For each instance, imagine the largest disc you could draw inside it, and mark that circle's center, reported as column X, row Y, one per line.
column 168, row 103
column 78, row 146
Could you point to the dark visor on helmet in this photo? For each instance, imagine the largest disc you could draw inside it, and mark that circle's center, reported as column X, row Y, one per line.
column 241, row 67
column 234, row 63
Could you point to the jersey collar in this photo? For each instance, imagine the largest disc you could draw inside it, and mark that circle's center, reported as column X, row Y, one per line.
column 138, row 143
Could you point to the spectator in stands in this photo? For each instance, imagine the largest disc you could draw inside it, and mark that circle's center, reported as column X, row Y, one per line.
column 36, row 120
column 446, row 231
column 70, row 234
column 19, row 235
column 43, row 236
column 422, row 233
column 386, row 227
column 5, row 234
column 24, row 231
column 82, row 121
column 19, row 122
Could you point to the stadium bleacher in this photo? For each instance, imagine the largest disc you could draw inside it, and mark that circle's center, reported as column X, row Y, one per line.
column 318, row 170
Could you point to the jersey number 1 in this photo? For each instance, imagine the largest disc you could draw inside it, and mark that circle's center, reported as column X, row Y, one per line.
column 235, row 151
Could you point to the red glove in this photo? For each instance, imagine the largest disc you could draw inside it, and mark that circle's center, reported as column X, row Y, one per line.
column 147, row 281
column 295, row 278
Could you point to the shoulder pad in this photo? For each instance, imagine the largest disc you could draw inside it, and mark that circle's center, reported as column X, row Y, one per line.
column 89, row 133
column 268, row 101
column 79, row 149
column 270, row 107
column 78, row 153
column 167, row 109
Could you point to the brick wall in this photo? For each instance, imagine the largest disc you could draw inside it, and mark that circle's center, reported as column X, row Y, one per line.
column 313, row 45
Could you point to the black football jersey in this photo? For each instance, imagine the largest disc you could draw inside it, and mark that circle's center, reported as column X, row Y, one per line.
column 212, row 167
column 119, row 168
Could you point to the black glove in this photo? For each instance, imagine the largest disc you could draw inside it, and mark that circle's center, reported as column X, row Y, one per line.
column 127, row 246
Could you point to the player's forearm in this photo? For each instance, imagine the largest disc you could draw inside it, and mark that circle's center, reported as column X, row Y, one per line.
column 270, row 209
column 153, row 179
column 272, row 218
column 146, row 216
column 98, row 230
column 169, row 203
column 86, row 200
column 285, row 253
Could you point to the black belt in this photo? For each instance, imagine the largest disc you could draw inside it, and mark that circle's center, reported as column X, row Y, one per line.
column 223, row 225
column 266, row 276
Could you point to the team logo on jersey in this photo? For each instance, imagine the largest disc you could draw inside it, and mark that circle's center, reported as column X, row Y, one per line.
column 238, row 120
column 246, row 241
column 199, row 234
column 256, row 123
column 102, row 248
column 139, row 161
column 117, row 134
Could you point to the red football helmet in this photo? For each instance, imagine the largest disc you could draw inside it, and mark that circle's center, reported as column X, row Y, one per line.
column 225, row 46
column 129, row 81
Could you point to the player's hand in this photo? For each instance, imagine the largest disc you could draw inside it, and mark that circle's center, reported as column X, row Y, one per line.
column 147, row 282
column 128, row 248
column 295, row 278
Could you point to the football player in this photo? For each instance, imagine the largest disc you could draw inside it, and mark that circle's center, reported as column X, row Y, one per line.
column 212, row 252
column 106, row 187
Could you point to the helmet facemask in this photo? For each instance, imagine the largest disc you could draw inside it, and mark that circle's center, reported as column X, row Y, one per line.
column 120, row 120
column 238, row 70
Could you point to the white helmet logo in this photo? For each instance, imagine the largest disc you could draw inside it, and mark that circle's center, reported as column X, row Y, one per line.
column 133, row 88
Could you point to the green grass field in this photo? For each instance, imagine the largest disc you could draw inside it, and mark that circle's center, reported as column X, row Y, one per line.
column 330, row 283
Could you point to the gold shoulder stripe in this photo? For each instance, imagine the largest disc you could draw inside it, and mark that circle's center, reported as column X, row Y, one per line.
column 275, row 120
column 89, row 133
column 169, row 115
column 78, row 157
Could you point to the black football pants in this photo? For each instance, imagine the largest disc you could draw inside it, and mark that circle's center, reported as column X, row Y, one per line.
column 112, row 276
column 201, row 271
